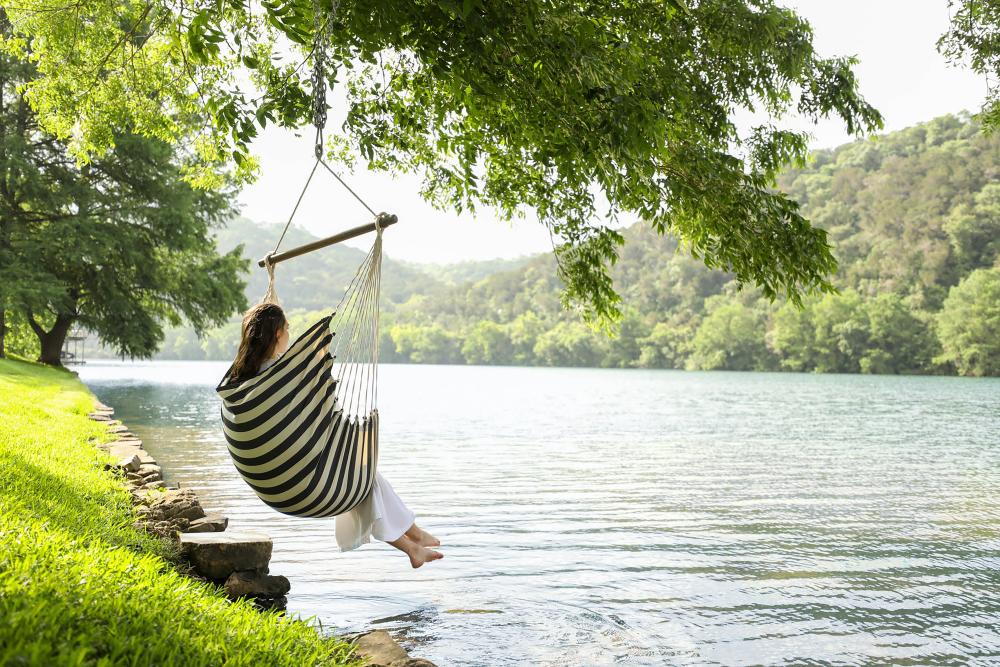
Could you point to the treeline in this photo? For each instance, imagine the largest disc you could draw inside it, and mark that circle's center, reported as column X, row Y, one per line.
column 839, row 333
column 835, row 333
column 914, row 218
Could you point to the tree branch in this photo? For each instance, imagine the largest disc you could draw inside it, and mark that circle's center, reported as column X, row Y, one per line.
column 39, row 331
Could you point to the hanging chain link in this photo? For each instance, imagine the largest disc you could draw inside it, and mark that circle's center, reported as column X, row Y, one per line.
column 321, row 39
column 322, row 29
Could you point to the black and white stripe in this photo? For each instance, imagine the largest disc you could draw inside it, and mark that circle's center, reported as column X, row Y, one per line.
column 289, row 435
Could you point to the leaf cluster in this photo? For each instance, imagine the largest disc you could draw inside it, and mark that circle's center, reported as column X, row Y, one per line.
column 973, row 39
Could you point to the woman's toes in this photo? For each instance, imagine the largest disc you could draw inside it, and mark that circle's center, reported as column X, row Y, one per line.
column 423, row 555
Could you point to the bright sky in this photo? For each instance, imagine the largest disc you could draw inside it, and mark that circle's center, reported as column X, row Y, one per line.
column 900, row 72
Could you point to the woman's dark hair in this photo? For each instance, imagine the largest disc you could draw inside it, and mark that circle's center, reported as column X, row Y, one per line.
column 261, row 325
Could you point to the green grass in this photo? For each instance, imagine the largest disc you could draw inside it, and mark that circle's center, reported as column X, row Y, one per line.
column 79, row 585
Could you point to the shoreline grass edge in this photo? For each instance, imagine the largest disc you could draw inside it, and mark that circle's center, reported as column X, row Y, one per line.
column 79, row 584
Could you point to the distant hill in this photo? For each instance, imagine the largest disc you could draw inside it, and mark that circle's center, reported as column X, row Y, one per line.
column 910, row 215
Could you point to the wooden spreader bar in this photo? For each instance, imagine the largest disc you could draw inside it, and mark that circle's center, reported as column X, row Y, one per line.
column 384, row 220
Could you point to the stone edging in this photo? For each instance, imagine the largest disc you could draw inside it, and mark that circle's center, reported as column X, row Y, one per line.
column 236, row 560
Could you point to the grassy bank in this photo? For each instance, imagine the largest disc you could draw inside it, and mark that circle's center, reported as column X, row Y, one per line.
column 78, row 584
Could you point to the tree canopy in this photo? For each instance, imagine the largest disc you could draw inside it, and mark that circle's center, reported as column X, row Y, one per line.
column 583, row 113
column 973, row 39
column 120, row 245
column 969, row 324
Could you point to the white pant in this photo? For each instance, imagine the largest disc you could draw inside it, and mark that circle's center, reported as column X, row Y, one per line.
column 381, row 515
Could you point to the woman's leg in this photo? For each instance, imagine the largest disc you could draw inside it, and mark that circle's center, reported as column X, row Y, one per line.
column 421, row 536
column 395, row 525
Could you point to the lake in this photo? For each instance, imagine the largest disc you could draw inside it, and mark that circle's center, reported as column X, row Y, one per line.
column 598, row 517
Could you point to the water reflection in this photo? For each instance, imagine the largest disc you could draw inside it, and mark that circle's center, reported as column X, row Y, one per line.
column 602, row 517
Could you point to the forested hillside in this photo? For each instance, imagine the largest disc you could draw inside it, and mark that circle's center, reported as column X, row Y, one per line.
column 914, row 219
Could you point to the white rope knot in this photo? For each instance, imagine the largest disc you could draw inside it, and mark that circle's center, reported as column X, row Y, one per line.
column 271, row 295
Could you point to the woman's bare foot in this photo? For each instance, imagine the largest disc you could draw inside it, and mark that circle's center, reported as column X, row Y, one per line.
column 420, row 555
column 422, row 537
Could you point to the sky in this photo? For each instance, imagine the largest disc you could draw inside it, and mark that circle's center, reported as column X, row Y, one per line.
column 900, row 73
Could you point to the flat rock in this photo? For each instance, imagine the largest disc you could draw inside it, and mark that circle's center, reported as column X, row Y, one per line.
column 170, row 529
column 121, row 451
column 190, row 512
column 201, row 528
column 128, row 463
column 174, row 496
column 380, row 649
column 118, row 428
column 217, row 555
column 172, row 505
column 122, row 443
column 213, row 523
column 253, row 584
column 155, row 484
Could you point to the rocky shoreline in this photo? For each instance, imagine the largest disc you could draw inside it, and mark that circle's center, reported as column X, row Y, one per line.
column 237, row 561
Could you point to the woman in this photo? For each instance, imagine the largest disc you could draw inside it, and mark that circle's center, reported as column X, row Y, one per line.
column 383, row 515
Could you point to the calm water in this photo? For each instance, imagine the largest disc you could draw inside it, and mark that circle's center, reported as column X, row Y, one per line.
column 594, row 517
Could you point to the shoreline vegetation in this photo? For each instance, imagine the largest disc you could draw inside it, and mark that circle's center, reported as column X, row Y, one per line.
column 79, row 583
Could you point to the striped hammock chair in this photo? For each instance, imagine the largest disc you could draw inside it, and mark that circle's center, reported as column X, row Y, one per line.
column 303, row 433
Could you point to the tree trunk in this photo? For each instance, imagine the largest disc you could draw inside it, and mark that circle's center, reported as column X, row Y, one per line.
column 5, row 27
column 52, row 340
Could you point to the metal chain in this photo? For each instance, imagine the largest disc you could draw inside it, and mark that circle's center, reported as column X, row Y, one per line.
column 321, row 38
column 322, row 30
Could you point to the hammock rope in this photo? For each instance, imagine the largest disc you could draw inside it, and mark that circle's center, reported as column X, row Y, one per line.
column 303, row 433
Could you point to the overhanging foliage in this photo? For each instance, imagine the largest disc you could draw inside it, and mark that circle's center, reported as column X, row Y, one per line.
column 557, row 107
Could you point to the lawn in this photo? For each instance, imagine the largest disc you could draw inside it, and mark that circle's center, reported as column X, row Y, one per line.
column 79, row 585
